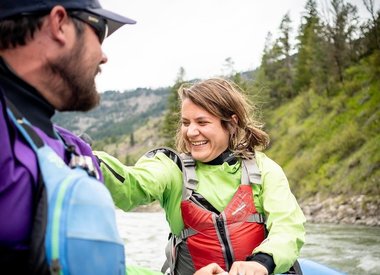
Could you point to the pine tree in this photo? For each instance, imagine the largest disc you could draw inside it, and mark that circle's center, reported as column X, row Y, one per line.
column 276, row 65
column 228, row 67
column 341, row 33
column 132, row 140
column 308, row 35
column 267, row 78
column 285, row 73
column 171, row 118
column 371, row 29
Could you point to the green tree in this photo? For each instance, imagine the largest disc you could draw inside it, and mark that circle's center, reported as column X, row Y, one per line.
column 308, row 64
column 285, row 73
column 341, row 26
column 171, row 118
column 371, row 29
column 132, row 140
column 228, row 67
column 276, row 64
column 240, row 81
column 267, row 75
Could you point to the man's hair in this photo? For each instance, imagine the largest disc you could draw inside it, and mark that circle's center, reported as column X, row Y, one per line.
column 17, row 31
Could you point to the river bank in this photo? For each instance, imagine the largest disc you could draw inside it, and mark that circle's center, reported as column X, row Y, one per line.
column 358, row 210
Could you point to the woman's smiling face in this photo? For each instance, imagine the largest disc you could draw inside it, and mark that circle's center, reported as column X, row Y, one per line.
column 203, row 132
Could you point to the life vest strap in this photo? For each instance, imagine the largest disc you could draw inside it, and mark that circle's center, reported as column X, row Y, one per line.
column 257, row 217
column 188, row 161
column 189, row 176
column 250, row 172
column 187, row 232
column 171, row 254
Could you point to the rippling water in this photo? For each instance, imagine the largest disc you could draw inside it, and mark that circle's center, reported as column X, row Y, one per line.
column 145, row 236
column 351, row 249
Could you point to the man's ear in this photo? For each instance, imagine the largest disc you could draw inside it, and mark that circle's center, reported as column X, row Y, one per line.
column 59, row 23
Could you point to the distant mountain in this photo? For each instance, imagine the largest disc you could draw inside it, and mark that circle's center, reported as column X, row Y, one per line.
column 119, row 113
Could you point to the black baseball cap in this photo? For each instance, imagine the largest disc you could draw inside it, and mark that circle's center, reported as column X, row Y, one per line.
column 10, row 8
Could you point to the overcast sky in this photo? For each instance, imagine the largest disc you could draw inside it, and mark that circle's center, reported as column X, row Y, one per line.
column 197, row 35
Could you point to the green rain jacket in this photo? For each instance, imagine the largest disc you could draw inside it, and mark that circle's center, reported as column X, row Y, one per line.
column 158, row 178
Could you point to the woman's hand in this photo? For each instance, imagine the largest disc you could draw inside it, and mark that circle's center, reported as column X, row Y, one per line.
column 248, row 268
column 210, row 269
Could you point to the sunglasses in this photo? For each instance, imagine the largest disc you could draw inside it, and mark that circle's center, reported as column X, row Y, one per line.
column 98, row 23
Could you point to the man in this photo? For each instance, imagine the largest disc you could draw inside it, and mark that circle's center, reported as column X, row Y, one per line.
column 50, row 53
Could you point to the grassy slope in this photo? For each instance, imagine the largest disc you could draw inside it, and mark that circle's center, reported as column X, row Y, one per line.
column 331, row 145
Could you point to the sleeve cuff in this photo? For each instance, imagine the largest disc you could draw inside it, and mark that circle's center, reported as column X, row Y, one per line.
column 264, row 259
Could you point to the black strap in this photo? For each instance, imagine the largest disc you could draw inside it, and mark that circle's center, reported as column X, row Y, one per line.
column 37, row 255
column 295, row 269
column 116, row 175
column 170, row 153
column 37, row 141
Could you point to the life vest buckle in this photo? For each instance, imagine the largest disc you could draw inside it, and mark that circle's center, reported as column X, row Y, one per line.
column 84, row 162
column 188, row 162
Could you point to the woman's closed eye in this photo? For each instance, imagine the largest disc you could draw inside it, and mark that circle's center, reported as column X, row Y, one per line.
column 203, row 122
column 185, row 123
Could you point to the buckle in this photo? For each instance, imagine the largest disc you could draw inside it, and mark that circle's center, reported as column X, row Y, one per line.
column 84, row 162
column 188, row 162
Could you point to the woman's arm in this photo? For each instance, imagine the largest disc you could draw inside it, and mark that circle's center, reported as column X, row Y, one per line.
column 143, row 183
column 285, row 220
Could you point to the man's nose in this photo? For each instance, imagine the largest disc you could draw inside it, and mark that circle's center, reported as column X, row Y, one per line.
column 104, row 58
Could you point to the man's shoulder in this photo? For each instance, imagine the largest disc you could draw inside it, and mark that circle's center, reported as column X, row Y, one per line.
column 81, row 146
column 72, row 139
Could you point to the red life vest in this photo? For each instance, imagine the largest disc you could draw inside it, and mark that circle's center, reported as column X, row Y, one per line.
column 209, row 237
column 230, row 236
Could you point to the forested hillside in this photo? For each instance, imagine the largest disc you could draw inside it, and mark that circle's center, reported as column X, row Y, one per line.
column 331, row 144
column 119, row 113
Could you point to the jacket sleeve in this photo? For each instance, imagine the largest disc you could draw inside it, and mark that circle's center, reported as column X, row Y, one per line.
column 130, row 186
column 285, row 219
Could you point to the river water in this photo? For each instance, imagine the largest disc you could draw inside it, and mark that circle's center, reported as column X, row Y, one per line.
column 352, row 249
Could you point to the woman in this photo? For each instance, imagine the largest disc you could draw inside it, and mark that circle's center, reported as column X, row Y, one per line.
column 221, row 219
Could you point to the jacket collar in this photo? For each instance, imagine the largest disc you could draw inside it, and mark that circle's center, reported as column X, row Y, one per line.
column 26, row 99
column 226, row 156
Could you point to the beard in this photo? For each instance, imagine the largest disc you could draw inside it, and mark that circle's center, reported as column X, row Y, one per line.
column 77, row 89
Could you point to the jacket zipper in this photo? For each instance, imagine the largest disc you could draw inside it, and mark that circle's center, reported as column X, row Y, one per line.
column 223, row 237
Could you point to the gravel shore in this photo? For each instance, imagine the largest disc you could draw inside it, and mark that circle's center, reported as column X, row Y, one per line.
column 360, row 210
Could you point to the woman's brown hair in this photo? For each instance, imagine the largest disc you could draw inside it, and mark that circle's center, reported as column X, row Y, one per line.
column 224, row 99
